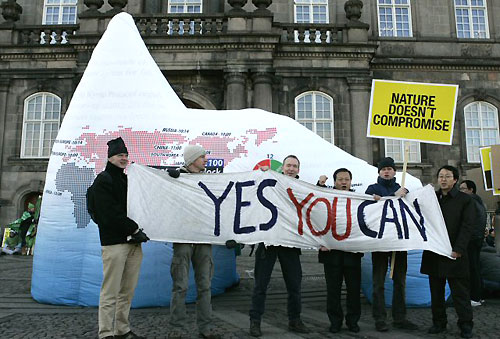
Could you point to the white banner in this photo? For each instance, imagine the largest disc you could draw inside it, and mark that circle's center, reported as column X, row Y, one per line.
column 257, row 206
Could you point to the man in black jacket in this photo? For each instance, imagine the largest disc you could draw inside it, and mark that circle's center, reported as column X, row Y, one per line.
column 458, row 212
column 120, row 245
column 340, row 265
column 289, row 257
column 476, row 242
column 387, row 186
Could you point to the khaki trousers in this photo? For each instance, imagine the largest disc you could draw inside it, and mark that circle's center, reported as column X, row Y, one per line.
column 121, row 264
column 201, row 257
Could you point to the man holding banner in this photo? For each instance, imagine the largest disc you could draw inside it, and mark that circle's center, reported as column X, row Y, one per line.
column 200, row 255
column 386, row 186
column 459, row 214
column 265, row 258
column 340, row 265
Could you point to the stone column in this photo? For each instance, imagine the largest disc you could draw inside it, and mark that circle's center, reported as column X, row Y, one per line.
column 359, row 90
column 262, row 91
column 4, row 90
column 236, row 93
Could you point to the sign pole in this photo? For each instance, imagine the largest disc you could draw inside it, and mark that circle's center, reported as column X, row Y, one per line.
column 403, row 179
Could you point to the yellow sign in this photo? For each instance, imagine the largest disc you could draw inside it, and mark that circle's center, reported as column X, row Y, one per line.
column 487, row 167
column 412, row 111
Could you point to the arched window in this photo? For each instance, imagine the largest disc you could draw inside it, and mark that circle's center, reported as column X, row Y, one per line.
column 481, row 128
column 314, row 110
column 394, row 18
column 42, row 112
column 59, row 12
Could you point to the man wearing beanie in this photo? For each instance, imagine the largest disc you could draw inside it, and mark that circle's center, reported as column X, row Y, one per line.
column 120, row 244
column 386, row 186
column 200, row 255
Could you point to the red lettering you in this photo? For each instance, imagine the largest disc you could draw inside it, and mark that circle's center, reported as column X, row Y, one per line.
column 331, row 223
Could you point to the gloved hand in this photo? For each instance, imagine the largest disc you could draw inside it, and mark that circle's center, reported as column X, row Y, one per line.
column 138, row 237
column 231, row 244
column 173, row 173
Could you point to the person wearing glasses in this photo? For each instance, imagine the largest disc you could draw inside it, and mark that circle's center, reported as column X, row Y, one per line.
column 459, row 214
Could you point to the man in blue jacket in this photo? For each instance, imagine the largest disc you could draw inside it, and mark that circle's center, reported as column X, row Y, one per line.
column 387, row 186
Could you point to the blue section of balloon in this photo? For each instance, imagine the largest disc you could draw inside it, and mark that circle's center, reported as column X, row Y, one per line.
column 417, row 285
column 67, row 269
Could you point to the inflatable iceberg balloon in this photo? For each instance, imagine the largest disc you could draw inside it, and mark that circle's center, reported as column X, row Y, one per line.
column 124, row 93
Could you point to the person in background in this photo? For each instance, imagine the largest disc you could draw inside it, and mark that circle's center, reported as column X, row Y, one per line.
column 387, row 186
column 459, row 216
column 340, row 265
column 475, row 243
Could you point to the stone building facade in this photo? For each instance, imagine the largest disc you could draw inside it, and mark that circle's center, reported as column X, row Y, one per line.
column 312, row 60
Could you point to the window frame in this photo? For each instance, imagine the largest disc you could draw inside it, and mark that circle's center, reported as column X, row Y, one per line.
column 60, row 5
column 314, row 120
column 470, row 7
column 42, row 122
column 402, row 151
column 480, row 128
column 393, row 7
column 311, row 4
column 184, row 4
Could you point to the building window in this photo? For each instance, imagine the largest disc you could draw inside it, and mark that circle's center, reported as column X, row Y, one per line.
column 472, row 19
column 394, row 18
column 42, row 113
column 184, row 6
column 311, row 11
column 314, row 110
column 481, row 128
column 59, row 12
column 396, row 150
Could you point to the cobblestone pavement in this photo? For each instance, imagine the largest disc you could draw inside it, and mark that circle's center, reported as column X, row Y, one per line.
column 21, row 317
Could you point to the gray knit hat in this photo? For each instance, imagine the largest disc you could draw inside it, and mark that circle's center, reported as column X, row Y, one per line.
column 191, row 153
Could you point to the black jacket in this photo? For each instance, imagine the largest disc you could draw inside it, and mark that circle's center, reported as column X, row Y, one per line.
column 480, row 221
column 459, row 214
column 383, row 187
column 111, row 206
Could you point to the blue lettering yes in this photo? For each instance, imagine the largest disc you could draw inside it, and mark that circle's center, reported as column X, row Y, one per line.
column 240, row 203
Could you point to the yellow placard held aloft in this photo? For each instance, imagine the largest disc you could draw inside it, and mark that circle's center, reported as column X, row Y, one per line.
column 412, row 111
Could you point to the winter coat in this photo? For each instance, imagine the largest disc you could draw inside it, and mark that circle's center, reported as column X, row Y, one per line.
column 111, row 206
column 459, row 216
column 480, row 220
column 383, row 187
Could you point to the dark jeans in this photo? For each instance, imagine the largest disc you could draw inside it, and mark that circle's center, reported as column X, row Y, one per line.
column 474, row 249
column 459, row 292
column 334, row 275
column 380, row 261
column 292, row 273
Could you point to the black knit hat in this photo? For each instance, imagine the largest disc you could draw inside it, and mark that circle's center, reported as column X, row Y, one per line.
column 386, row 162
column 116, row 146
